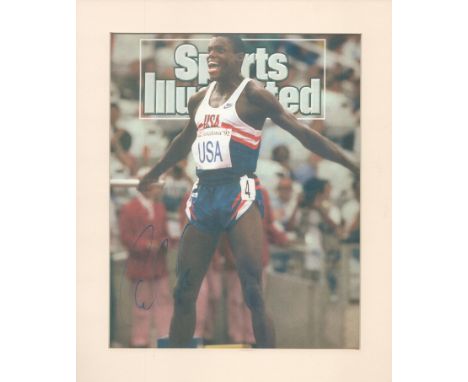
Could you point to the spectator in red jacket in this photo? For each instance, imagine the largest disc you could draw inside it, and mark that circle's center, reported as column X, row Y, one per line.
column 144, row 234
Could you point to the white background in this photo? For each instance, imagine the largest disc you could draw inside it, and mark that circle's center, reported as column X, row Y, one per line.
column 430, row 192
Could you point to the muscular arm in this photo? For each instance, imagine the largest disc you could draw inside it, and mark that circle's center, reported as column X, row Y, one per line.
column 179, row 147
column 311, row 139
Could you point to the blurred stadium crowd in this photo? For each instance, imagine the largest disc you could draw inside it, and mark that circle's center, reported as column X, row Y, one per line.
column 312, row 205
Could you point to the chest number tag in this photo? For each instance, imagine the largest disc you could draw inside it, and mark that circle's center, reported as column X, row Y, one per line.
column 211, row 148
column 248, row 191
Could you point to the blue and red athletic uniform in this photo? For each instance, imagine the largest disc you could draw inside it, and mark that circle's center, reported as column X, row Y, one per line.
column 226, row 153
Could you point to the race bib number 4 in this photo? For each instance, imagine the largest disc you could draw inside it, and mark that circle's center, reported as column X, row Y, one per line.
column 248, row 191
column 211, row 148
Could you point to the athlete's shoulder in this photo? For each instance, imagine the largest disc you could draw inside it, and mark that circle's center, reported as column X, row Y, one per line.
column 254, row 89
column 258, row 95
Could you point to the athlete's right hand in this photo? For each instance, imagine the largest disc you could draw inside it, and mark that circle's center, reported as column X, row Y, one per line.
column 145, row 183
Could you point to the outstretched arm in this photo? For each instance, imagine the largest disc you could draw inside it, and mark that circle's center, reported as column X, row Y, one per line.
column 311, row 139
column 179, row 147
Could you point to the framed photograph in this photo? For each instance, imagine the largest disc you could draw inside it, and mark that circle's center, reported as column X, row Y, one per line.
column 220, row 171
column 309, row 258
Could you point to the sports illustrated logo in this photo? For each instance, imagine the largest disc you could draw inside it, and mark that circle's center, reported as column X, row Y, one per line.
column 168, row 98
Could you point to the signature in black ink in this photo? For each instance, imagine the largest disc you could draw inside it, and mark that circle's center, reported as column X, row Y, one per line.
column 162, row 251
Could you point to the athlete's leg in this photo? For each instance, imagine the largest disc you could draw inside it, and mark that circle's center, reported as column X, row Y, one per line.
column 246, row 242
column 215, row 290
column 235, row 304
column 195, row 252
column 201, row 308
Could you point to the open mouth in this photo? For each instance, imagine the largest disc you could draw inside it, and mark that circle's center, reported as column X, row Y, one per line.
column 213, row 67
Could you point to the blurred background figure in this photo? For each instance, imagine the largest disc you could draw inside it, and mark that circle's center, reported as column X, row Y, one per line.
column 285, row 205
column 342, row 119
column 121, row 141
column 321, row 222
column 122, row 164
column 307, row 169
column 177, row 184
column 352, row 231
column 144, row 234
column 281, row 155
column 120, row 144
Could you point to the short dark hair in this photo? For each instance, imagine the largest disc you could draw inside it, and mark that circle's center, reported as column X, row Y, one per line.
column 126, row 141
column 236, row 41
column 311, row 188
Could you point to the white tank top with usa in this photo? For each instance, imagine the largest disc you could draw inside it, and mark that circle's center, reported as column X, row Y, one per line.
column 226, row 148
